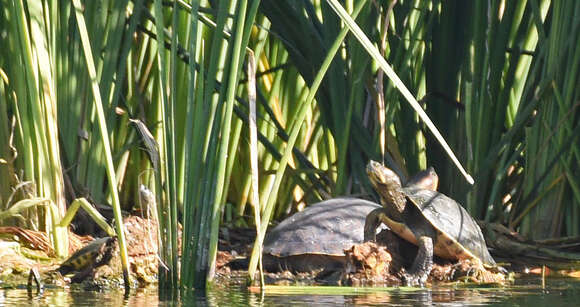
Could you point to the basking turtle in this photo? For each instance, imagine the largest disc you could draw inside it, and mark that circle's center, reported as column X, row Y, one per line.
column 316, row 237
column 425, row 179
column 85, row 260
column 434, row 222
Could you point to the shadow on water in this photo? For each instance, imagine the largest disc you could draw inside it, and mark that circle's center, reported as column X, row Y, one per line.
column 526, row 292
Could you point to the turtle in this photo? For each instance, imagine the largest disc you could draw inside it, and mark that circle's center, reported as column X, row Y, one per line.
column 431, row 220
column 315, row 238
column 85, row 260
column 426, row 179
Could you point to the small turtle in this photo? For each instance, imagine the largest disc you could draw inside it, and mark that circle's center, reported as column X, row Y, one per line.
column 85, row 260
column 434, row 222
column 316, row 237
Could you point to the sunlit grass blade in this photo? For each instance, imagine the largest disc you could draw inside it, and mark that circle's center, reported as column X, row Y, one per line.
column 254, row 155
column 397, row 82
column 295, row 127
column 105, row 139
column 35, row 112
column 193, row 110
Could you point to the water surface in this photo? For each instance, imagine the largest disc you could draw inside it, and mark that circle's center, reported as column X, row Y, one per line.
column 525, row 292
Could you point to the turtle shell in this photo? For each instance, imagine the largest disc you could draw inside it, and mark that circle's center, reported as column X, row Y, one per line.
column 326, row 228
column 458, row 235
column 92, row 255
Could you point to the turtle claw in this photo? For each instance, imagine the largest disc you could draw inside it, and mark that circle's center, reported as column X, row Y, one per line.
column 500, row 269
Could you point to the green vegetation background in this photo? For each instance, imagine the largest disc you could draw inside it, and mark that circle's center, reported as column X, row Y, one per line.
column 498, row 78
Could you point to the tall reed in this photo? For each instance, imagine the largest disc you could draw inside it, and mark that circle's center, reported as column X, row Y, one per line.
column 497, row 78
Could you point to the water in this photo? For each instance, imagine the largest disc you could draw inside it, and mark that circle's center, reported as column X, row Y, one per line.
column 526, row 292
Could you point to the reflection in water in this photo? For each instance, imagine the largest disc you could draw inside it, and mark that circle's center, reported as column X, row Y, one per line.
column 527, row 292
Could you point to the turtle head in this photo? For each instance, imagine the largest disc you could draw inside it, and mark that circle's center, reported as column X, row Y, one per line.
column 382, row 177
column 425, row 180
column 388, row 185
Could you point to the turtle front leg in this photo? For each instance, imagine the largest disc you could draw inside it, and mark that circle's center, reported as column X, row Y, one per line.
column 422, row 265
column 373, row 220
column 82, row 275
